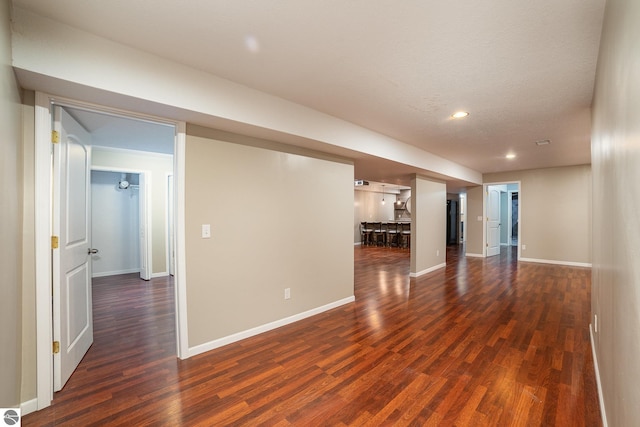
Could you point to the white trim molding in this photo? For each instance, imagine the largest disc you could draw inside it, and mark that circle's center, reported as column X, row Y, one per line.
column 43, row 208
column 474, row 255
column 180, row 276
column 599, row 384
column 428, row 270
column 29, row 406
column 550, row 261
column 133, row 152
column 220, row 342
column 115, row 273
column 159, row 274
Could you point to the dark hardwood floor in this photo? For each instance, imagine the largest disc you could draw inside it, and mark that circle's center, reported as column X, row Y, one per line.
column 481, row 342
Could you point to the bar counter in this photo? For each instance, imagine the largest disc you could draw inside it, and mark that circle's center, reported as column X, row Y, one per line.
column 393, row 233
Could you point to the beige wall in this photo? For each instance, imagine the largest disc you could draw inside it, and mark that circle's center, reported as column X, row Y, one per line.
column 615, row 156
column 428, row 225
column 555, row 213
column 11, row 224
column 159, row 166
column 278, row 220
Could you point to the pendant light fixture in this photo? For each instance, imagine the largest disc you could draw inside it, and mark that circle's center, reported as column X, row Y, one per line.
column 383, row 194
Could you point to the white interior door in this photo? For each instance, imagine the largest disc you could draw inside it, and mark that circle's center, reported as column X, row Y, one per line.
column 493, row 221
column 72, row 310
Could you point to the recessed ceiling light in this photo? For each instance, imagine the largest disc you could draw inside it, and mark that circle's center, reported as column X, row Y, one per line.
column 543, row 142
column 510, row 156
column 459, row 114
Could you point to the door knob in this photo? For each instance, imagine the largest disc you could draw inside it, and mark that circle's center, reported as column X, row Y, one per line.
column 92, row 251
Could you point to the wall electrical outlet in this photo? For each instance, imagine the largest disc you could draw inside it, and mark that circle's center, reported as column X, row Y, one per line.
column 524, row 247
column 287, row 293
column 206, row 231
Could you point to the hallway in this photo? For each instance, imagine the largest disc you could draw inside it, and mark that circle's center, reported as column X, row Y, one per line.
column 482, row 341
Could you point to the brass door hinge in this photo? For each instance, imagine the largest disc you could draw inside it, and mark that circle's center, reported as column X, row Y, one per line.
column 56, row 347
column 55, row 137
column 54, row 242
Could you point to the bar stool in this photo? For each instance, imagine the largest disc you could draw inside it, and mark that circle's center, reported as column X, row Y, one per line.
column 392, row 234
column 406, row 234
column 365, row 233
column 378, row 233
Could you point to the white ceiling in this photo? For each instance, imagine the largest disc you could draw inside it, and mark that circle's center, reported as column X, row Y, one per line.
column 523, row 69
column 127, row 133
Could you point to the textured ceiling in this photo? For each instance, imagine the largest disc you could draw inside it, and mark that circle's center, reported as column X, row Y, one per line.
column 524, row 70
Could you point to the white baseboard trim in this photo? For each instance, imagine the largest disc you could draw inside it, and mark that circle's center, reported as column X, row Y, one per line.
column 161, row 274
column 29, row 406
column 474, row 255
column 116, row 272
column 211, row 345
column 548, row 261
column 597, row 369
column 428, row 270
column 357, row 243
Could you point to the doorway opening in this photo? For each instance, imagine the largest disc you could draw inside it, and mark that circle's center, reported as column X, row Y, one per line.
column 502, row 213
column 119, row 223
column 513, row 218
column 453, row 222
column 100, row 122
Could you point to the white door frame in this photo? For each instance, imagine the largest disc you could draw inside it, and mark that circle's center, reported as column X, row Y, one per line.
column 463, row 218
column 485, row 186
column 145, row 221
column 43, row 232
column 489, row 190
column 170, row 241
column 510, row 213
column 144, row 215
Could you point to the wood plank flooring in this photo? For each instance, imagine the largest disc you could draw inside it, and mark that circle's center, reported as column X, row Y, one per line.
column 481, row 342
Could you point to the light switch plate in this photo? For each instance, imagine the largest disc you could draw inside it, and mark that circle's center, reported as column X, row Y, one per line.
column 206, row 231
